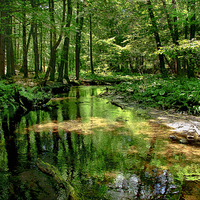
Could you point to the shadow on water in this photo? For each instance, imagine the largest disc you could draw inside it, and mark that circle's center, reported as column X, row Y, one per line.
column 99, row 150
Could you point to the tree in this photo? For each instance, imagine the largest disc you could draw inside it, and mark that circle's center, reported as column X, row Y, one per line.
column 91, row 55
column 35, row 37
column 157, row 37
column 2, row 41
column 65, row 52
column 25, row 50
column 51, row 66
column 79, row 26
column 190, row 68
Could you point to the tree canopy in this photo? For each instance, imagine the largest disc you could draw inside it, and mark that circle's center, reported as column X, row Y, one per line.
column 66, row 36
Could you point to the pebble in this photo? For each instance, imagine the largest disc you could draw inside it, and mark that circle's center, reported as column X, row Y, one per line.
column 183, row 141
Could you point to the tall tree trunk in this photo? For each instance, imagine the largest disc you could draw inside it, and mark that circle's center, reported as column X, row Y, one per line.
column 193, row 18
column 79, row 24
column 175, row 33
column 2, row 42
column 13, row 62
column 91, row 56
column 8, row 39
column 25, row 62
column 53, row 40
column 190, row 69
column 35, row 48
column 157, row 38
column 185, row 61
column 41, row 46
column 54, row 47
column 8, row 44
column 25, row 53
column 35, row 40
column 65, row 55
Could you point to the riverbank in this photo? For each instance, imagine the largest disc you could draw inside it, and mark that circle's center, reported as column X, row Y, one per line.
column 170, row 102
column 184, row 127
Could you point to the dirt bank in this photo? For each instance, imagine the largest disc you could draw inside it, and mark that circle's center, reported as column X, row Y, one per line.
column 184, row 128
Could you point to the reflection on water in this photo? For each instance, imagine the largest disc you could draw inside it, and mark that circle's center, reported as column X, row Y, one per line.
column 104, row 152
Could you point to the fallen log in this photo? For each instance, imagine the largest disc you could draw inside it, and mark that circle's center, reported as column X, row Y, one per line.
column 53, row 171
column 117, row 104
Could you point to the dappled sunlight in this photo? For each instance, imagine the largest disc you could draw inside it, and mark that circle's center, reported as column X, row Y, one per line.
column 78, row 126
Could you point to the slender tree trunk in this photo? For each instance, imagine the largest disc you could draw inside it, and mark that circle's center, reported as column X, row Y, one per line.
column 8, row 39
column 35, row 48
column 2, row 43
column 190, row 69
column 77, row 47
column 25, row 53
column 65, row 55
column 9, row 51
column 41, row 46
column 192, row 26
column 91, row 57
column 54, row 48
column 53, row 41
column 157, row 37
column 35, row 40
column 25, row 62
column 8, row 43
column 79, row 23
column 13, row 62
column 131, row 66
column 175, row 40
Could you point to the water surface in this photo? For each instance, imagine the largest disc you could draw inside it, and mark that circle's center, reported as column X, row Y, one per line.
column 103, row 151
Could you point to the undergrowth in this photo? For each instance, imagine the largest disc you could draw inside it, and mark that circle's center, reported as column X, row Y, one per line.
column 180, row 94
column 8, row 95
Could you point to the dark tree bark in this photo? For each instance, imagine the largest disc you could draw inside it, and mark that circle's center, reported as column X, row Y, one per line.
column 8, row 39
column 91, row 56
column 65, row 54
column 193, row 18
column 25, row 62
column 79, row 24
column 190, row 67
column 35, row 48
column 157, row 37
column 131, row 66
column 25, row 53
column 54, row 48
column 35, row 40
column 175, row 40
column 52, row 40
column 41, row 46
column 2, row 42
column 8, row 44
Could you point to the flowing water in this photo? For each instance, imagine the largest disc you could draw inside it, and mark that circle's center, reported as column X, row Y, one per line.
column 102, row 151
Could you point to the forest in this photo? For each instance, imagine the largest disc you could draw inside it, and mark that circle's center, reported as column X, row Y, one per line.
column 130, row 127
column 61, row 41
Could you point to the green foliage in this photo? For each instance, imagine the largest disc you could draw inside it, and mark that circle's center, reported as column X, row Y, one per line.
column 6, row 95
column 185, row 47
column 33, row 94
column 180, row 94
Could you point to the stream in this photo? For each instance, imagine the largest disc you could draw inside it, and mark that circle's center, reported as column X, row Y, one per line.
column 103, row 151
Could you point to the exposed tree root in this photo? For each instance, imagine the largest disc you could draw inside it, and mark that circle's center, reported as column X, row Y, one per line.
column 53, row 171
